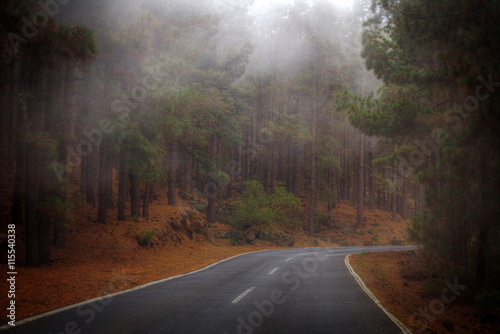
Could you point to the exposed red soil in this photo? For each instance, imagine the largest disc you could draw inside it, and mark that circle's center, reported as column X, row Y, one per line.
column 395, row 279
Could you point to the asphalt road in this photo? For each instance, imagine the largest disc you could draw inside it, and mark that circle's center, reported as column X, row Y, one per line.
column 276, row 291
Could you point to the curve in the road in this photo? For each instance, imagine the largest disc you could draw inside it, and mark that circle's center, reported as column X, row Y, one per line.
column 274, row 291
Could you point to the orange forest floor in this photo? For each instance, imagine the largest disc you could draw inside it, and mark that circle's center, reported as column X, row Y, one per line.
column 103, row 259
column 422, row 305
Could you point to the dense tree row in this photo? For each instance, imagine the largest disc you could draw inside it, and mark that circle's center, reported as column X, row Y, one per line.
column 439, row 105
column 197, row 97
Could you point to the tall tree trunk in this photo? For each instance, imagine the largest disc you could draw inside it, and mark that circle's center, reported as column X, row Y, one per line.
column 91, row 161
column 272, row 171
column 394, row 187
column 53, row 126
column 84, row 169
column 289, row 169
column 60, row 226
column 6, row 111
column 14, row 107
column 330, row 190
column 32, row 168
column 359, row 215
column 109, row 172
column 31, row 203
column 7, row 81
column 148, row 190
column 404, row 199
column 347, row 173
column 355, row 171
column 172, row 172
column 105, row 178
column 281, row 168
column 483, row 221
column 243, row 157
column 92, row 168
column 296, row 171
column 371, row 175
column 188, row 170
column 379, row 199
column 212, row 188
column 147, row 199
column 233, row 168
column 122, row 183
column 19, row 178
column 312, row 198
column 135, row 193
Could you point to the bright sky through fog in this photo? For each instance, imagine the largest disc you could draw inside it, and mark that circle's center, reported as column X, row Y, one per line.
column 340, row 3
column 343, row 3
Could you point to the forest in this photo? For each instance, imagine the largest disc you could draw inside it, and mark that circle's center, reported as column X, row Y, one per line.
column 388, row 104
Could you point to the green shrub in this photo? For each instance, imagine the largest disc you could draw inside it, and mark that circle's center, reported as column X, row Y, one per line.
column 487, row 300
column 232, row 241
column 256, row 206
column 202, row 207
column 253, row 206
column 287, row 207
column 433, row 287
column 146, row 238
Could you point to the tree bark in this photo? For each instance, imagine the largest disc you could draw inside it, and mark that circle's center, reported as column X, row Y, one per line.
column 122, row 183
column 84, row 169
column 172, row 172
column 45, row 186
column 92, row 160
column 146, row 200
column 312, row 197
column 148, row 191
column 296, row 170
column 105, row 164
column 60, row 227
column 32, row 169
column 135, row 193
column 188, row 170
column 19, row 178
column 212, row 188
column 371, row 175
column 330, row 190
column 404, row 199
column 483, row 222
column 359, row 215
column 394, row 187
column 280, row 166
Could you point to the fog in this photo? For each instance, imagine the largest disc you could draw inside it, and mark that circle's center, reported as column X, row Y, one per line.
column 158, row 97
column 277, row 30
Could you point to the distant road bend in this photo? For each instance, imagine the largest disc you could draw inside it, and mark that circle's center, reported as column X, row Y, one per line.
column 276, row 291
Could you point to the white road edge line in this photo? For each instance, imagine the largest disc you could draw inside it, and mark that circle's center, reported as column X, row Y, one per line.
column 401, row 326
column 240, row 297
column 273, row 271
column 68, row 307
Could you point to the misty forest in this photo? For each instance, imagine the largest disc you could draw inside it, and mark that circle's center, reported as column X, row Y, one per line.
column 256, row 112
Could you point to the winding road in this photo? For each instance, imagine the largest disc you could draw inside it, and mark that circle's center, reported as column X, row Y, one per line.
column 276, row 291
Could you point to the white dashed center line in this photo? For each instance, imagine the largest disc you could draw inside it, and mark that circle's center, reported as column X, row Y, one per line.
column 240, row 297
column 273, row 271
